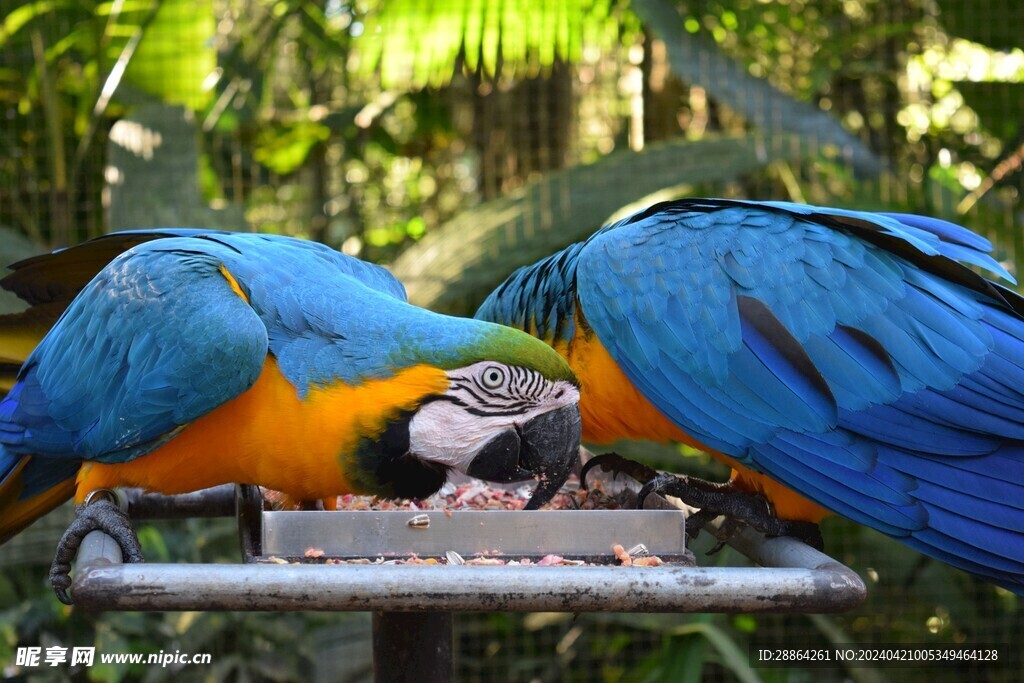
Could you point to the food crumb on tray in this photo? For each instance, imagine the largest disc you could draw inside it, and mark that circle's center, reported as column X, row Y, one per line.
column 482, row 560
column 471, row 495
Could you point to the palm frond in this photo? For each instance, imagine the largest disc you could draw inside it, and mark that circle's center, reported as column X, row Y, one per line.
column 415, row 44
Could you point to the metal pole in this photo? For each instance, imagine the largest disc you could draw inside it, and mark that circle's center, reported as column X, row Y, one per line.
column 412, row 646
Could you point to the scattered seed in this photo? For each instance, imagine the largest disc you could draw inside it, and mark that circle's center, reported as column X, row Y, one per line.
column 622, row 556
column 419, row 522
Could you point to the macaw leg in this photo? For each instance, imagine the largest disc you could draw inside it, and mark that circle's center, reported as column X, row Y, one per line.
column 100, row 512
column 716, row 499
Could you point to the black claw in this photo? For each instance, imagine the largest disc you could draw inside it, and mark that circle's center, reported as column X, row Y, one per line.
column 613, row 462
column 101, row 515
column 696, row 521
column 645, row 490
column 679, row 486
column 716, row 548
column 729, row 528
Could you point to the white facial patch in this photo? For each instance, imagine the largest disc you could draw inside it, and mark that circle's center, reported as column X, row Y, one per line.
column 483, row 400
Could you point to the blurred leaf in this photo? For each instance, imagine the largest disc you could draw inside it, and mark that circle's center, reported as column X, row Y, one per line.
column 284, row 149
column 732, row 656
column 153, row 545
column 454, row 267
column 177, row 52
column 685, row 658
column 745, row 623
column 698, row 60
column 835, row 635
column 18, row 17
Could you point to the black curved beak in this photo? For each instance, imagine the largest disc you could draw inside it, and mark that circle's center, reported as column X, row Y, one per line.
column 545, row 448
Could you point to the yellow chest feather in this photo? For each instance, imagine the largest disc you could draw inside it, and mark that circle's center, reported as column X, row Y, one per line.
column 271, row 437
column 611, row 407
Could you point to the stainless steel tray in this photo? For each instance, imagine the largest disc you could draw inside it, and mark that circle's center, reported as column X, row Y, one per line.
column 576, row 534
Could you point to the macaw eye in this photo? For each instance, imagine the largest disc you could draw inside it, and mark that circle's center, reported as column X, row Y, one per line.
column 492, row 377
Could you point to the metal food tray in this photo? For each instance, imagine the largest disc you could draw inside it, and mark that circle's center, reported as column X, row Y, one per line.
column 792, row 577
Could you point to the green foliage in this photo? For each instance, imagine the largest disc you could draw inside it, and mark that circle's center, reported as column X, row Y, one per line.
column 77, row 66
column 285, row 148
column 413, row 45
column 989, row 101
column 176, row 56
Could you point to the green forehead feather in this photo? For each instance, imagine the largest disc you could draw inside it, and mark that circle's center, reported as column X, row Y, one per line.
column 420, row 336
column 514, row 347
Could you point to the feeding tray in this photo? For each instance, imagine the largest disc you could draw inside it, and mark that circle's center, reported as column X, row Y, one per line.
column 792, row 577
column 384, row 535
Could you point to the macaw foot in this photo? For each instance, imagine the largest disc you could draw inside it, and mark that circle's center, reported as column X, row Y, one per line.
column 613, row 462
column 715, row 499
column 96, row 514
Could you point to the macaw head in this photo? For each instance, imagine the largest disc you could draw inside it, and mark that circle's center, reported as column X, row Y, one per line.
column 505, row 410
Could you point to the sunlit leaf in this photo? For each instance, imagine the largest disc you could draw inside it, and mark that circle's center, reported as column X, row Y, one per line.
column 18, row 17
column 176, row 54
column 284, row 150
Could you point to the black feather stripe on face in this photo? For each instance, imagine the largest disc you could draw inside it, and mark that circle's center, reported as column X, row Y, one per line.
column 522, row 390
column 398, row 472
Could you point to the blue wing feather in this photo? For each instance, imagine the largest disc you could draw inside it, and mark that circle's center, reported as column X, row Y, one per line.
column 919, row 429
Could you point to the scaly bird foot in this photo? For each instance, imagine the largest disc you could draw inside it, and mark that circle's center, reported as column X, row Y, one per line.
column 613, row 462
column 101, row 514
column 716, row 499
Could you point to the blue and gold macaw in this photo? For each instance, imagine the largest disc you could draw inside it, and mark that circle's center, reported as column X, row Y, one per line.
column 186, row 359
column 837, row 360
